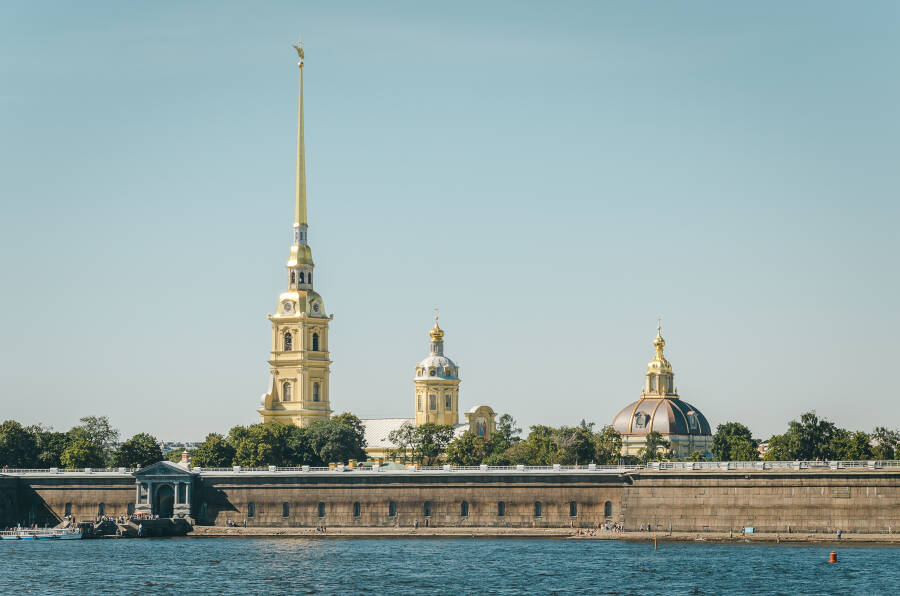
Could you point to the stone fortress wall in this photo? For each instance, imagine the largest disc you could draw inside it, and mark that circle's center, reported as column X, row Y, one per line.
column 863, row 501
column 855, row 500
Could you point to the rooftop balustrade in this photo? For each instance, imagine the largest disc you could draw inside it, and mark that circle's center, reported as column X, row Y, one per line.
column 662, row 466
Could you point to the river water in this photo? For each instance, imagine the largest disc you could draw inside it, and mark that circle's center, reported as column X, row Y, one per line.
column 438, row 566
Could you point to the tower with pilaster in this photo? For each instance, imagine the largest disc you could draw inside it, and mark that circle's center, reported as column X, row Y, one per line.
column 437, row 384
column 299, row 362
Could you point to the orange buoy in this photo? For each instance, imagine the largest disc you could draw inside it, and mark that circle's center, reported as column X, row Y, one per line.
column 654, row 544
column 832, row 558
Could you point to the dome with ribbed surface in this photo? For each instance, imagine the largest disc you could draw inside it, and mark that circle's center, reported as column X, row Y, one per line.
column 667, row 416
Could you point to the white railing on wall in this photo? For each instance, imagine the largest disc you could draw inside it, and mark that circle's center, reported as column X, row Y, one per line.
column 556, row 468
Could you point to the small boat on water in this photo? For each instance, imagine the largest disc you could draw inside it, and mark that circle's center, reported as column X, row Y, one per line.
column 43, row 534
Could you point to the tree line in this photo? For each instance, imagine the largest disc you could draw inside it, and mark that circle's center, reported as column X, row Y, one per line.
column 94, row 443
column 431, row 443
column 808, row 439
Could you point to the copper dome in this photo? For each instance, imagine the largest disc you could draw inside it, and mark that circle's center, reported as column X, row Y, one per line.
column 665, row 415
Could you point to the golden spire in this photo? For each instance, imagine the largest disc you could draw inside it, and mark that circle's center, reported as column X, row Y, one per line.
column 436, row 333
column 300, row 184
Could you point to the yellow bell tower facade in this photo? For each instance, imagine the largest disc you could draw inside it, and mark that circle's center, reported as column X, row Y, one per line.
column 299, row 362
column 437, row 384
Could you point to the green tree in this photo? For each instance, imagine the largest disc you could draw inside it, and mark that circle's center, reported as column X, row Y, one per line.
column 851, row 446
column 607, row 446
column 467, row 450
column 18, row 447
column 733, row 441
column 81, row 451
column 779, row 449
column 695, row 456
column 507, row 430
column 431, row 441
column 885, row 443
column 214, row 452
column 403, row 439
column 50, row 445
column 335, row 441
column 808, row 439
column 539, row 449
column 101, row 433
column 575, row 444
column 263, row 444
column 356, row 427
column 654, row 447
column 137, row 452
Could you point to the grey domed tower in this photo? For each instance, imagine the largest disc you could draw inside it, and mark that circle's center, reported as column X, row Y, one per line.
column 437, row 384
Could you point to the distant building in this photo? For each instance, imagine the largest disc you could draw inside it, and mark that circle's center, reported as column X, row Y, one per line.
column 436, row 400
column 661, row 409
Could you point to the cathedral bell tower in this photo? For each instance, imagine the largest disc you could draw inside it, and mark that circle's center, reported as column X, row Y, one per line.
column 437, row 384
column 299, row 361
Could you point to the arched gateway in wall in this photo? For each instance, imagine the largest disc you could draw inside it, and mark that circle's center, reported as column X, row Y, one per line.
column 164, row 489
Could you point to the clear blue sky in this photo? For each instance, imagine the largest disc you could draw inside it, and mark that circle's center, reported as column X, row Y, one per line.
column 553, row 176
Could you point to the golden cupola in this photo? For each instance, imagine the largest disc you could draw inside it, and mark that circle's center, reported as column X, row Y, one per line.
column 437, row 334
column 660, row 381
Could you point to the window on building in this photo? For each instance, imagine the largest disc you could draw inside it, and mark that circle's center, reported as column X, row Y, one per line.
column 464, row 509
column 427, row 509
column 309, row 278
column 285, row 510
column 447, row 402
column 301, row 277
column 607, row 509
column 251, row 509
column 315, row 342
column 392, row 509
column 573, row 509
column 432, row 402
column 286, row 391
column 431, row 372
column 288, row 342
column 356, row 509
column 101, row 509
column 538, row 509
column 320, row 510
column 293, row 278
column 501, row 509
column 68, row 509
column 182, row 492
column 419, row 402
column 315, row 392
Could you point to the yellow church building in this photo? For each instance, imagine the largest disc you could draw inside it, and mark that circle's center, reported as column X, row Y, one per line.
column 299, row 362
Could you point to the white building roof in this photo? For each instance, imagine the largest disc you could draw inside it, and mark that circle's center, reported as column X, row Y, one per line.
column 378, row 429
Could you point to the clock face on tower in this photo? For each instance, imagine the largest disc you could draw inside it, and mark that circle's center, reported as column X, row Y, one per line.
column 287, row 306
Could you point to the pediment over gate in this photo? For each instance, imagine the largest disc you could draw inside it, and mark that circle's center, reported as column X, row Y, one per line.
column 163, row 468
